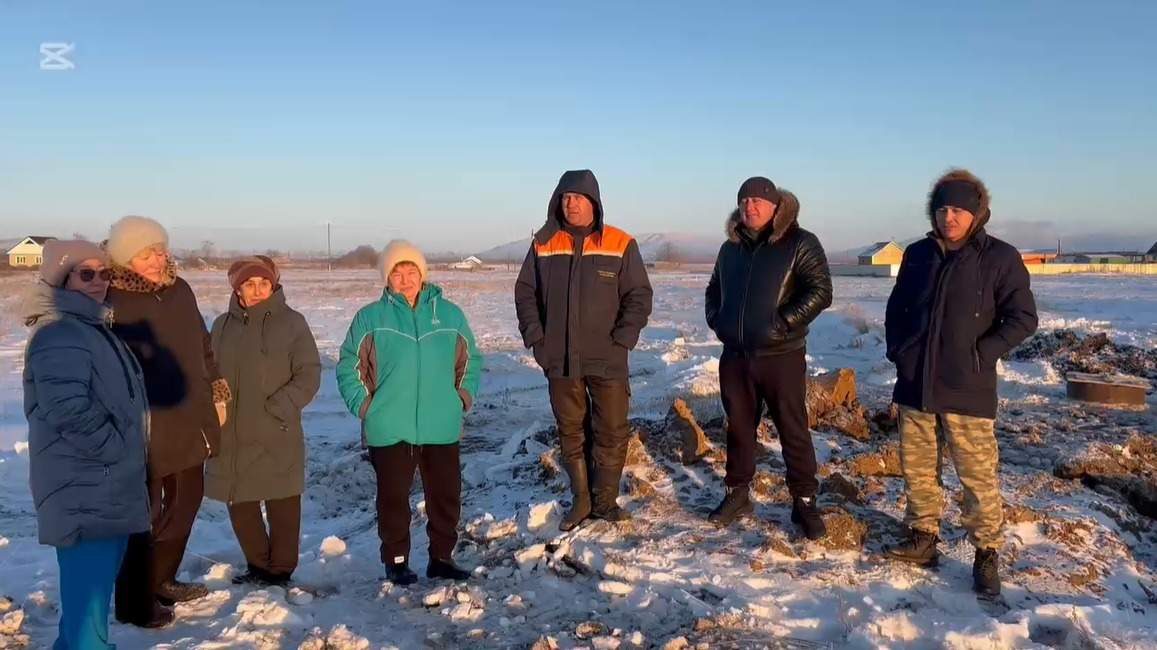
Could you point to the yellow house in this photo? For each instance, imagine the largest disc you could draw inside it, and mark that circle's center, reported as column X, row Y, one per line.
column 885, row 252
column 29, row 253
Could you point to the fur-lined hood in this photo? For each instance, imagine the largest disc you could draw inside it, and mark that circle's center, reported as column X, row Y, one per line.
column 785, row 218
column 966, row 176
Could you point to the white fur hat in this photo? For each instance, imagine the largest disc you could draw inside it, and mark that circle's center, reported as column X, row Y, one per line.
column 398, row 251
column 131, row 235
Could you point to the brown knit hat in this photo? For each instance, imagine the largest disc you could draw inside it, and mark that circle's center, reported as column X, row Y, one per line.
column 257, row 266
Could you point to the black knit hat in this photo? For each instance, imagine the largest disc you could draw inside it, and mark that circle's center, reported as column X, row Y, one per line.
column 958, row 194
column 760, row 188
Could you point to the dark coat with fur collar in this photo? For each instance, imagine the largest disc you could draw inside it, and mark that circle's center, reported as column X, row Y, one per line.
column 162, row 325
column 951, row 315
column 767, row 287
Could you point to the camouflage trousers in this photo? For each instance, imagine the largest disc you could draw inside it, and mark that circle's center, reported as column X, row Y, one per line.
column 971, row 443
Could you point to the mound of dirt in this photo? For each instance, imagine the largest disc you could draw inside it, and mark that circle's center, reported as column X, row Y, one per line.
column 1068, row 351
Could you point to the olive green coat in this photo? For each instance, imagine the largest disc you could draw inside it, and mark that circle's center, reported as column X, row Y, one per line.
column 268, row 355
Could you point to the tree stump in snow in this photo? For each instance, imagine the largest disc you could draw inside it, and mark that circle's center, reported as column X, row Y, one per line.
column 1107, row 389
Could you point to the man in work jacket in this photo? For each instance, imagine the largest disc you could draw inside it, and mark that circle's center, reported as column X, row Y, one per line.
column 582, row 298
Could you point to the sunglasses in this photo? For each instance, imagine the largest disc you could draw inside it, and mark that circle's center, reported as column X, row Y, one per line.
column 88, row 275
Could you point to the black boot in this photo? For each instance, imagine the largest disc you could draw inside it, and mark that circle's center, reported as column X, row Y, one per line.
column 986, row 572
column 154, row 617
column 919, row 548
column 175, row 591
column 806, row 515
column 446, row 569
column 400, row 574
column 253, row 575
column 606, row 495
column 736, row 503
column 580, row 490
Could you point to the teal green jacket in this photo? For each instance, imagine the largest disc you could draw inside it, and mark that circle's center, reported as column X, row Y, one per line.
column 410, row 374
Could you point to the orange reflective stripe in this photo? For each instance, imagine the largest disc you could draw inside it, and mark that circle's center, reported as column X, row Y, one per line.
column 611, row 241
column 560, row 244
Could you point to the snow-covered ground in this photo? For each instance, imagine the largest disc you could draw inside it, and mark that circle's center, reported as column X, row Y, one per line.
column 1079, row 568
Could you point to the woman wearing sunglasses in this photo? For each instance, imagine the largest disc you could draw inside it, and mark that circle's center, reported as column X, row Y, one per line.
column 84, row 397
column 157, row 315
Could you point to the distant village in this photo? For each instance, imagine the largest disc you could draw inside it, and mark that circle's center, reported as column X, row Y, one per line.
column 880, row 259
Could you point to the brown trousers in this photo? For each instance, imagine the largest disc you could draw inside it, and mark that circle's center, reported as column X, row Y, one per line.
column 273, row 549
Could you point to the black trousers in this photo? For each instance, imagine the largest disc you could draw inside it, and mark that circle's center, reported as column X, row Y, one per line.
column 746, row 384
column 442, row 484
column 591, row 413
column 154, row 557
column 273, row 549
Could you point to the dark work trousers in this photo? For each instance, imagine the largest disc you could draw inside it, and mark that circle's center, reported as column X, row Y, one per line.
column 271, row 548
column 154, row 558
column 746, row 383
column 591, row 413
column 442, row 484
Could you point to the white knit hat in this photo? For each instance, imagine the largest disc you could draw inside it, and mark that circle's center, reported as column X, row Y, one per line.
column 398, row 251
column 132, row 235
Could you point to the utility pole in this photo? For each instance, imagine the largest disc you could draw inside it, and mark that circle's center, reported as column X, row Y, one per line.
column 328, row 247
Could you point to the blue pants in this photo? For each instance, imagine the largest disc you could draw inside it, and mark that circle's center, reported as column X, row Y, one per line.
column 88, row 571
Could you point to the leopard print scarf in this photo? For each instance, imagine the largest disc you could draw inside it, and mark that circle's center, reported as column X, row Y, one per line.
column 126, row 279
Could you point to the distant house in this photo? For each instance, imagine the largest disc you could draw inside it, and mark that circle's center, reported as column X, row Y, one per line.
column 469, row 264
column 1038, row 257
column 1151, row 256
column 885, row 252
column 29, row 253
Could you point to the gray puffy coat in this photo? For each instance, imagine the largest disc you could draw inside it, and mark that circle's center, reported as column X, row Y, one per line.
column 85, row 401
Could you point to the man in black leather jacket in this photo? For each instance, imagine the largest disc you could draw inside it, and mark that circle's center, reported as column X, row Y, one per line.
column 771, row 280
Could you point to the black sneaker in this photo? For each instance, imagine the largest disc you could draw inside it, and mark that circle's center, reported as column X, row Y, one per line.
column 446, row 569
column 175, row 591
column 736, row 503
column 919, row 548
column 806, row 515
column 253, row 576
column 400, row 574
column 986, row 572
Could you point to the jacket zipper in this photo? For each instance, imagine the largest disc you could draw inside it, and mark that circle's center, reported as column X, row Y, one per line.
column 746, row 289
column 417, row 402
column 124, row 369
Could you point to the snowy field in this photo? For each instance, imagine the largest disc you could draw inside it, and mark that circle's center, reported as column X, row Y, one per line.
column 1079, row 566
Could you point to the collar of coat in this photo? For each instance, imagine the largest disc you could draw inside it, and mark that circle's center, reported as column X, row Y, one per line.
column 976, row 240
column 126, row 279
column 429, row 293
column 786, row 217
column 47, row 303
column 274, row 303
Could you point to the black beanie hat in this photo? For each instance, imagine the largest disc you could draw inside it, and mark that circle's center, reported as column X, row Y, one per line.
column 958, row 194
column 758, row 187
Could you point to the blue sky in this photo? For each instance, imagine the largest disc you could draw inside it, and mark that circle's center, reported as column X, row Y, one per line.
column 253, row 124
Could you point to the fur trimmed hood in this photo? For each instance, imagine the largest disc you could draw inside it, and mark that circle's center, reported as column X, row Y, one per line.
column 785, row 218
column 966, row 176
